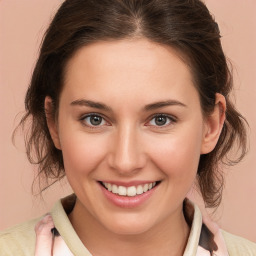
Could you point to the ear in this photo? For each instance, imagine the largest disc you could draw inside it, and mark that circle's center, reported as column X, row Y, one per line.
column 213, row 125
column 51, row 121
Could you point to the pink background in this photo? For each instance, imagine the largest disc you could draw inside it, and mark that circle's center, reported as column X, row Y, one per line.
column 22, row 24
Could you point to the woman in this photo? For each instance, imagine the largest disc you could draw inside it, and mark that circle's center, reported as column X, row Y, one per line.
column 130, row 100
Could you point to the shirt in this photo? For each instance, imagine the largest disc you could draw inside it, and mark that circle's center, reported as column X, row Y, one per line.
column 205, row 237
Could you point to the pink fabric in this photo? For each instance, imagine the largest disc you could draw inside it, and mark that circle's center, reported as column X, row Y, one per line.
column 218, row 238
column 46, row 243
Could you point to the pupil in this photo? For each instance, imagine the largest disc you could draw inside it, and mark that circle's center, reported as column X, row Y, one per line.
column 95, row 120
column 161, row 120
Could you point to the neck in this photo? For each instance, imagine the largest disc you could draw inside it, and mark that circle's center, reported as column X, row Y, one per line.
column 167, row 238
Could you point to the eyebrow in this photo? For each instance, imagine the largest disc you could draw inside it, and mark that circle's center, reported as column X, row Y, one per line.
column 162, row 104
column 92, row 104
column 148, row 107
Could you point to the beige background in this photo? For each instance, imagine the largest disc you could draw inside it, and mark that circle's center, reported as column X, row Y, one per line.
column 22, row 23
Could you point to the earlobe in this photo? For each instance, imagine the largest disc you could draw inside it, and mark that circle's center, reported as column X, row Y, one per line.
column 213, row 125
column 51, row 122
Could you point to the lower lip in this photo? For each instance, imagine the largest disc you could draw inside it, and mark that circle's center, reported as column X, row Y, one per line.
column 128, row 201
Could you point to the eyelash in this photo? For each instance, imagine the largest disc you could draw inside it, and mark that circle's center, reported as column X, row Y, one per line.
column 82, row 119
column 172, row 120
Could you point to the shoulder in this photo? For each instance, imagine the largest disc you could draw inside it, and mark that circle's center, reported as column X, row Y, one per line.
column 239, row 246
column 18, row 240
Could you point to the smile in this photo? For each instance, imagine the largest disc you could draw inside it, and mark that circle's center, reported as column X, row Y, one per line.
column 130, row 191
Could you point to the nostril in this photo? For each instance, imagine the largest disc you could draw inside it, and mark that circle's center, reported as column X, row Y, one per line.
column 127, row 165
column 126, row 154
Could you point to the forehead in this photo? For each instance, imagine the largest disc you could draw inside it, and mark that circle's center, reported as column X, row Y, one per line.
column 136, row 67
column 130, row 54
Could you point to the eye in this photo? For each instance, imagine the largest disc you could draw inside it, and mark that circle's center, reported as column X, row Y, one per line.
column 161, row 120
column 93, row 120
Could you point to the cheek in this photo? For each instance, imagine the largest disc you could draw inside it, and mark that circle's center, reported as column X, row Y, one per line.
column 82, row 153
column 177, row 155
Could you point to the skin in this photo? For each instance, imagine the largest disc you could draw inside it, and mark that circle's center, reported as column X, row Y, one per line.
column 128, row 145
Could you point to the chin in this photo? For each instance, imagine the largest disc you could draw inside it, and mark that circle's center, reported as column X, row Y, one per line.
column 129, row 230
column 129, row 226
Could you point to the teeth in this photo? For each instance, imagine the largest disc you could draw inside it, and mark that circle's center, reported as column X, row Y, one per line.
column 128, row 191
column 108, row 186
column 122, row 191
column 131, row 191
column 145, row 188
column 139, row 190
column 114, row 189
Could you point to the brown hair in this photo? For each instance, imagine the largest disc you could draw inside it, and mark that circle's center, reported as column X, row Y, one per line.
column 184, row 25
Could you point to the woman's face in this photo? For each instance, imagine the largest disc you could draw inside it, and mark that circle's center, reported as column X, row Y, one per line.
column 130, row 119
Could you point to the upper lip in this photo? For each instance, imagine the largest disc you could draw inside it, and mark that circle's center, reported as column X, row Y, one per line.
column 130, row 183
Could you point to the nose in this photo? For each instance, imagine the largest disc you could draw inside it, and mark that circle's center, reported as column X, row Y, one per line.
column 127, row 155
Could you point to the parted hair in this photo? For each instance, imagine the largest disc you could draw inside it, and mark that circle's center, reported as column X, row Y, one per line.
column 185, row 25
